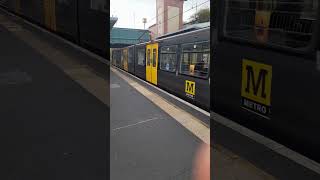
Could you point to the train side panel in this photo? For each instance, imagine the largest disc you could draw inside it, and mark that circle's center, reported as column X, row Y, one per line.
column 190, row 88
column 177, row 85
column 66, row 19
column 33, row 10
column 294, row 96
column 10, row 5
column 269, row 86
column 93, row 25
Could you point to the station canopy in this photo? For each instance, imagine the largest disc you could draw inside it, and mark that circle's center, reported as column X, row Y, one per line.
column 121, row 37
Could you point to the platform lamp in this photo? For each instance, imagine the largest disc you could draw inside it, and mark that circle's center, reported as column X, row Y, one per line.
column 144, row 21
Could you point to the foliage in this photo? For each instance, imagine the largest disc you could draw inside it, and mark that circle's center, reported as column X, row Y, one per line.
column 201, row 16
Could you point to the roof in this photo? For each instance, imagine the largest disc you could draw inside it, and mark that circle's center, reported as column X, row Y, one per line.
column 128, row 36
column 113, row 21
column 152, row 26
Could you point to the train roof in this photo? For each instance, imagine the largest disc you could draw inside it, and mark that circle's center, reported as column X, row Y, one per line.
column 184, row 34
column 187, row 29
column 176, row 35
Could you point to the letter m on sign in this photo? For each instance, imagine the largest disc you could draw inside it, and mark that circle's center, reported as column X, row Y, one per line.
column 256, row 82
column 190, row 87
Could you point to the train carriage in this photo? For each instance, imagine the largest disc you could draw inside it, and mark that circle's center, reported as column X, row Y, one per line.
column 179, row 64
column 184, row 66
column 267, row 69
column 84, row 22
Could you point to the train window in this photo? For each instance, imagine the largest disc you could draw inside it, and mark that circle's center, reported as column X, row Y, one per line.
column 273, row 22
column 154, row 53
column 148, row 57
column 99, row 5
column 195, row 59
column 168, row 58
column 141, row 56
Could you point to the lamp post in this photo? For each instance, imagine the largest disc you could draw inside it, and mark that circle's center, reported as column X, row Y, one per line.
column 144, row 21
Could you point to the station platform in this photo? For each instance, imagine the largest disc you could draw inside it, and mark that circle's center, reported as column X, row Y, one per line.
column 53, row 107
column 146, row 142
column 149, row 140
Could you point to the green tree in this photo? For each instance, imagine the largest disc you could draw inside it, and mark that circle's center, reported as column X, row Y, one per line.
column 201, row 16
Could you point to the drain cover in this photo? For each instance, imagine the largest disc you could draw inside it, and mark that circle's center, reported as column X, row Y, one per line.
column 16, row 77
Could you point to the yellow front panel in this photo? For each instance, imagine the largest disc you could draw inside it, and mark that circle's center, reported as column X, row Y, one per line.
column 154, row 67
column 148, row 62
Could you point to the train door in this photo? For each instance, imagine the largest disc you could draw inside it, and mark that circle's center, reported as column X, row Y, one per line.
column 154, row 68
column 121, row 59
column 152, row 63
column 50, row 14
column 125, row 59
column 131, row 60
column 148, row 62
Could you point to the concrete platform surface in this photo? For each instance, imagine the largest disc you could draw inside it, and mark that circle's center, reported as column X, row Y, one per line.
column 52, row 126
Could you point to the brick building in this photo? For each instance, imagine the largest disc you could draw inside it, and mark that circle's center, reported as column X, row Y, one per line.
column 169, row 17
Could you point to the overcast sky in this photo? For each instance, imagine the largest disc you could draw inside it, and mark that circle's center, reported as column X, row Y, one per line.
column 131, row 12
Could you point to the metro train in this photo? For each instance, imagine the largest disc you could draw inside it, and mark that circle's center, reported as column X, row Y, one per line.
column 267, row 69
column 83, row 22
column 178, row 64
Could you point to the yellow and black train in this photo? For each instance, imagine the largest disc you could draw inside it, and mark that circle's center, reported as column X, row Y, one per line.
column 267, row 69
column 178, row 64
column 84, row 22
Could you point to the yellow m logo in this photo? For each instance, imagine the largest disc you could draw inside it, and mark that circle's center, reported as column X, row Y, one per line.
column 190, row 87
column 256, row 82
